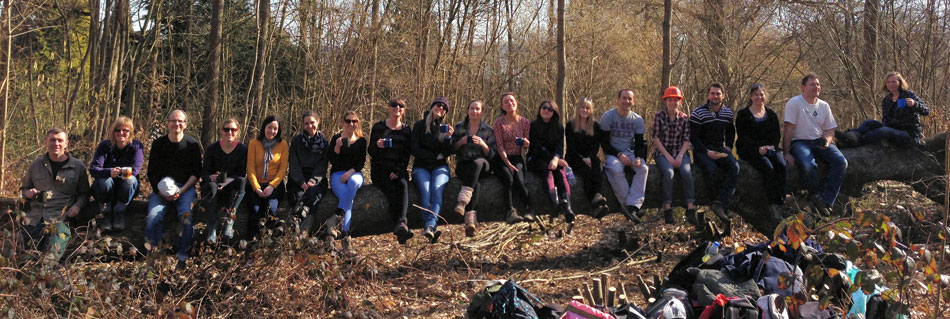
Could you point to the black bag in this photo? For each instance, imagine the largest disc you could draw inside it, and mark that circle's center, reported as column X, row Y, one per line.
column 680, row 278
column 514, row 302
column 740, row 308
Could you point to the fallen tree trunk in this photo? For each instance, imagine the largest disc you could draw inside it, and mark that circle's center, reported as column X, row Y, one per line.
column 921, row 168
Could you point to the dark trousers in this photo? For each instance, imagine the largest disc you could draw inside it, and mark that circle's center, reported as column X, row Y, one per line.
column 722, row 174
column 397, row 193
column 593, row 175
column 264, row 208
column 470, row 172
column 513, row 181
column 310, row 197
column 773, row 169
column 230, row 195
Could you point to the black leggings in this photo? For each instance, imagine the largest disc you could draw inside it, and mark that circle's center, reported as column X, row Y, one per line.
column 469, row 172
column 593, row 175
column 397, row 192
column 514, row 181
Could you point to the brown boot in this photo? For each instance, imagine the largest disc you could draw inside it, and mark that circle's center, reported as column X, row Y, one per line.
column 513, row 217
column 465, row 195
column 470, row 220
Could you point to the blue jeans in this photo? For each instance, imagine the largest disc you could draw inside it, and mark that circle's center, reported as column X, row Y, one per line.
column 805, row 152
column 773, row 168
column 686, row 175
column 723, row 174
column 431, row 185
column 115, row 191
column 345, row 192
column 873, row 131
column 157, row 206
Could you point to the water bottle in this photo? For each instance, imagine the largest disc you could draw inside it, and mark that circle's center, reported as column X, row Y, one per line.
column 570, row 175
column 712, row 250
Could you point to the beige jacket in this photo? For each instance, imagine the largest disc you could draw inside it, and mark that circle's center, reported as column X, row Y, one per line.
column 70, row 187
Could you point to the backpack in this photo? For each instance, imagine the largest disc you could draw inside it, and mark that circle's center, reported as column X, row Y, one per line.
column 514, row 302
column 481, row 304
column 772, row 307
column 673, row 304
column 731, row 308
column 679, row 277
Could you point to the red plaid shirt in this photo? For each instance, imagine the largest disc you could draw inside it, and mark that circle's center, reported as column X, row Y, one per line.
column 672, row 133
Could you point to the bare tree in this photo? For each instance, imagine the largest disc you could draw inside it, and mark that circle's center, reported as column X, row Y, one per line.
column 214, row 72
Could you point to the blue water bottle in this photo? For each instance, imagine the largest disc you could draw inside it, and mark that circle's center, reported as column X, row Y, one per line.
column 570, row 175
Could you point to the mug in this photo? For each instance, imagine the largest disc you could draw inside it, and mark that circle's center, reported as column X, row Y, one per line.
column 346, row 142
column 222, row 176
column 387, row 142
column 125, row 172
column 519, row 141
column 901, row 103
column 443, row 128
column 471, row 139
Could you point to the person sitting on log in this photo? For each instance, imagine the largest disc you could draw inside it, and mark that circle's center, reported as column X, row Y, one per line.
column 546, row 158
column 223, row 179
column 267, row 162
column 809, row 133
column 475, row 145
column 115, row 168
column 511, row 136
column 307, row 180
column 55, row 187
column 624, row 146
column 712, row 135
column 900, row 117
column 758, row 144
column 431, row 147
column 671, row 141
column 174, row 165
column 389, row 164
column 347, row 157
column 583, row 135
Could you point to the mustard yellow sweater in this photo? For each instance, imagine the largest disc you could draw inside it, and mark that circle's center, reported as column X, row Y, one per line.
column 276, row 169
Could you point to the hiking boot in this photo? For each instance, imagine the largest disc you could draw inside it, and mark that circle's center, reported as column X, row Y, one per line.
column 600, row 212
column 432, row 235
column 565, row 207
column 598, row 200
column 720, row 211
column 691, row 216
column 465, row 196
column 820, row 206
column 513, row 217
column 470, row 220
column 105, row 223
column 668, row 216
column 632, row 213
column 402, row 232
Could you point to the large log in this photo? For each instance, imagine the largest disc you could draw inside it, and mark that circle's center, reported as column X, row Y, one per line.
column 921, row 168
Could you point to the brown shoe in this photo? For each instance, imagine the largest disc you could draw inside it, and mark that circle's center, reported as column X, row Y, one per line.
column 465, row 196
column 470, row 220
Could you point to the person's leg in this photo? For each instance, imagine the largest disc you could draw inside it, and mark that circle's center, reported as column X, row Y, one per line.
column 837, row 165
column 422, row 178
column 594, row 184
column 481, row 168
column 183, row 205
column 237, row 189
column 209, row 194
column 868, row 126
column 616, row 177
column 440, row 177
column 346, row 200
column 776, row 184
column 102, row 189
column 520, row 187
column 58, row 242
column 667, row 170
column 561, row 182
column 548, row 177
column 763, row 165
column 710, row 171
column 802, row 151
column 124, row 192
column 157, row 206
column 893, row 136
column 638, row 187
column 729, row 169
column 686, row 177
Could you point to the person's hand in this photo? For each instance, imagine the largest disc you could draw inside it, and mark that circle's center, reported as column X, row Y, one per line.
column 763, row 150
column 451, row 130
column 552, row 165
column 339, row 144
column 259, row 192
column 115, row 171
column 379, row 143
column 677, row 162
column 712, row 154
column 561, row 163
column 526, row 142
column 171, row 198
column 824, row 143
column 478, row 140
column 624, row 160
column 31, row 193
column 346, row 176
column 393, row 176
column 268, row 191
column 587, row 161
column 73, row 211
column 790, row 160
column 512, row 167
column 911, row 102
column 637, row 162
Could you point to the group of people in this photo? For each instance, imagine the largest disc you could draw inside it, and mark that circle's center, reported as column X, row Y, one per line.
column 56, row 184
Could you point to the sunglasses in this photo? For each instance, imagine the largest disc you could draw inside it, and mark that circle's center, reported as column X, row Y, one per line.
column 443, row 106
column 398, row 105
column 547, row 108
column 347, row 121
column 229, row 129
column 120, row 130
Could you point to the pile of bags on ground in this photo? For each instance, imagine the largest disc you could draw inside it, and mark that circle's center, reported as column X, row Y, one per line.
column 753, row 281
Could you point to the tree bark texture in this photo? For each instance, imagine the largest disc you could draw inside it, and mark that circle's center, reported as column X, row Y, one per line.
column 561, row 57
column 666, row 64
column 923, row 169
column 214, row 72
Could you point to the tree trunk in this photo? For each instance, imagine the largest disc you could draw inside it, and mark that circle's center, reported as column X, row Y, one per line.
column 561, row 58
column 5, row 85
column 214, row 72
column 257, row 85
column 666, row 64
column 869, row 58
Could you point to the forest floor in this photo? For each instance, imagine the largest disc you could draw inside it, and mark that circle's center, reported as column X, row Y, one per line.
column 289, row 277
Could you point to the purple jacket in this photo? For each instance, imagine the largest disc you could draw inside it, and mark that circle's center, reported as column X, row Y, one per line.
column 107, row 157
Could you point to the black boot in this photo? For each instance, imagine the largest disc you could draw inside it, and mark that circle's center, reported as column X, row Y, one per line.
column 668, row 216
column 691, row 216
column 598, row 200
column 554, row 200
column 565, row 207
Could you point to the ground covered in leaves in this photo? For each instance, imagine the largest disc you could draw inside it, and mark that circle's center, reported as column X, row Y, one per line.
column 298, row 277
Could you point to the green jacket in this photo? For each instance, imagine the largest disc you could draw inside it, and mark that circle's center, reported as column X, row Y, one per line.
column 70, row 187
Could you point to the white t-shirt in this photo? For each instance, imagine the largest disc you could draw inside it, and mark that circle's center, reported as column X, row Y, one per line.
column 810, row 119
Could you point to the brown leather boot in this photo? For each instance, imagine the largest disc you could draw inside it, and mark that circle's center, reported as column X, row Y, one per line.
column 470, row 219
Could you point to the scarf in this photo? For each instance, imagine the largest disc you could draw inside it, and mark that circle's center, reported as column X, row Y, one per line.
column 268, row 154
column 316, row 143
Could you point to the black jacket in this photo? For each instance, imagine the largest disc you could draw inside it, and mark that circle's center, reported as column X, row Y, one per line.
column 305, row 163
column 469, row 151
column 547, row 142
column 754, row 134
column 428, row 143
column 581, row 145
column 391, row 159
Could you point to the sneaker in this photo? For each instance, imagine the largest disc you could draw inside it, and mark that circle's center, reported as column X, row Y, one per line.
column 632, row 213
column 598, row 200
column 820, row 206
column 529, row 215
column 432, row 235
column 668, row 216
column 105, row 223
column 600, row 212
column 333, row 227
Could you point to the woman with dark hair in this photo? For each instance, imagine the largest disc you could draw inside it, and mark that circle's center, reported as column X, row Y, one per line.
column 583, row 135
column 266, row 168
column 759, row 138
column 900, row 117
column 389, row 163
column 545, row 157
column 347, row 157
column 511, row 135
column 115, row 168
column 307, row 180
column 222, row 179
column 474, row 146
column 431, row 147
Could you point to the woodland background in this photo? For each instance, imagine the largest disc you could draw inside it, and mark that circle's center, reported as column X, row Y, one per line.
column 79, row 63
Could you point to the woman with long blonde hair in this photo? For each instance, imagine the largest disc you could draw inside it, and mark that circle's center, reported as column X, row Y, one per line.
column 901, row 110
column 347, row 157
column 584, row 135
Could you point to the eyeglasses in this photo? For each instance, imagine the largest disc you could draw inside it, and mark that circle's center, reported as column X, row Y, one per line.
column 547, row 108
column 397, row 105
column 229, row 129
column 177, row 121
column 348, row 121
column 120, row 130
